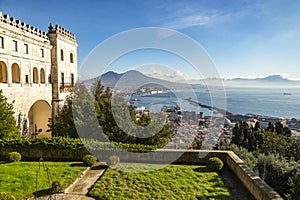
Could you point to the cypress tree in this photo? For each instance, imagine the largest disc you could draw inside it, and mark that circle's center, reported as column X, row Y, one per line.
column 8, row 128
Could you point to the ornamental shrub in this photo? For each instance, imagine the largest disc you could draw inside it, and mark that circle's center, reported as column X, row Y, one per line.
column 6, row 196
column 214, row 164
column 89, row 160
column 13, row 157
column 114, row 160
column 56, row 187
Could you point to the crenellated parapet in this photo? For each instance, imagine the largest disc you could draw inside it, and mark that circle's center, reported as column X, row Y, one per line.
column 61, row 30
column 22, row 26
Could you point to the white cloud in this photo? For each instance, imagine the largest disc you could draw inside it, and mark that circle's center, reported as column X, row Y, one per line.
column 163, row 73
column 182, row 15
column 193, row 20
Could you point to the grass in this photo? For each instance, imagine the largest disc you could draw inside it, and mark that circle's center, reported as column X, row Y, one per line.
column 19, row 178
column 172, row 182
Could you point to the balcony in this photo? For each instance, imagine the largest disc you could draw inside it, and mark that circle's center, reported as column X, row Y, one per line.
column 66, row 87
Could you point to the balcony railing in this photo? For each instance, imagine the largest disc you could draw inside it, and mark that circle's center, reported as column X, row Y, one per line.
column 66, row 87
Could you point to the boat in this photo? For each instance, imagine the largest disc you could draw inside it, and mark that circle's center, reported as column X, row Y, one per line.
column 287, row 93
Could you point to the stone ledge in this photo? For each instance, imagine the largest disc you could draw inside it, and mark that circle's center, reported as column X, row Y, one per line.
column 255, row 185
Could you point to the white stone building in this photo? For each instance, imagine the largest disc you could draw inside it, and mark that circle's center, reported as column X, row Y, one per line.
column 37, row 70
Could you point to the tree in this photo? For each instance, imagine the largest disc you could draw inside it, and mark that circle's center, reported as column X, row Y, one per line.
column 271, row 127
column 236, row 135
column 64, row 123
column 8, row 128
column 119, row 123
column 256, row 126
column 276, row 171
column 77, row 116
column 278, row 127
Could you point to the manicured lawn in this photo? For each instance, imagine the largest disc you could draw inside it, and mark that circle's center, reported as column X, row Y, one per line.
column 172, row 182
column 19, row 178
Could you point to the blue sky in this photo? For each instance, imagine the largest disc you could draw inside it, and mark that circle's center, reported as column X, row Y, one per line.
column 244, row 38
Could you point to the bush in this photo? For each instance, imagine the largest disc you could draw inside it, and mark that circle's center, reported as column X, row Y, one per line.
column 13, row 157
column 6, row 196
column 214, row 164
column 248, row 157
column 89, row 160
column 58, row 143
column 56, row 187
column 114, row 160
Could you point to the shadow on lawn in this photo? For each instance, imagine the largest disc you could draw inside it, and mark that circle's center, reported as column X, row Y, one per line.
column 98, row 167
column 201, row 169
column 41, row 193
column 79, row 164
column 44, row 192
column 219, row 197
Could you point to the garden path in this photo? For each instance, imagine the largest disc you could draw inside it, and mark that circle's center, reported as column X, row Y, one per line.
column 80, row 187
column 83, row 184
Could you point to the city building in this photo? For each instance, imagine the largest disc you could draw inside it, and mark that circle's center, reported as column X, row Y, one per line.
column 37, row 71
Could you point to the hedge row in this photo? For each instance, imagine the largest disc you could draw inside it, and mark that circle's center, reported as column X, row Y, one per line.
column 74, row 144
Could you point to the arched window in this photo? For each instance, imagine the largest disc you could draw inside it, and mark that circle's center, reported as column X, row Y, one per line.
column 3, row 73
column 61, row 55
column 15, row 73
column 71, row 58
column 35, row 75
column 42, row 75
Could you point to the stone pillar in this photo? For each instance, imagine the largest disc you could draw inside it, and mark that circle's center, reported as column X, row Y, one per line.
column 54, row 72
column 9, row 74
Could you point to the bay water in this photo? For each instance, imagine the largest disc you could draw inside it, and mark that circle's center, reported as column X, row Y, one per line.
column 275, row 102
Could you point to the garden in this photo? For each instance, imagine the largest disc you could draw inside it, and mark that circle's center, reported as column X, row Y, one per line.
column 140, row 181
column 20, row 178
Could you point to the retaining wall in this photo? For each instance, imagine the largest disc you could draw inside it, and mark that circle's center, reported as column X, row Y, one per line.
column 256, row 186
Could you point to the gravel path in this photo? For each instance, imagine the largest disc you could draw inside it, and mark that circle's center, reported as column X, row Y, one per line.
column 235, row 186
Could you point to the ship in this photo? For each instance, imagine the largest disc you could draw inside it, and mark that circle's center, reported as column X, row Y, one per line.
column 287, row 93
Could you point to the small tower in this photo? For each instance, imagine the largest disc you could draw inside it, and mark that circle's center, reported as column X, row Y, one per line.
column 63, row 64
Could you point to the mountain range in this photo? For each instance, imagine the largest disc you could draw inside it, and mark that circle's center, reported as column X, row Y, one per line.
column 271, row 78
column 136, row 79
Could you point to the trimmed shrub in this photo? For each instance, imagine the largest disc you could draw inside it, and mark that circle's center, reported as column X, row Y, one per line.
column 215, row 164
column 89, row 160
column 6, row 196
column 56, row 187
column 114, row 160
column 13, row 157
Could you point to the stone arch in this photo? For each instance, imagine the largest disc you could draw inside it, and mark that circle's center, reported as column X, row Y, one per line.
column 38, row 116
column 15, row 73
column 35, row 75
column 3, row 72
column 42, row 75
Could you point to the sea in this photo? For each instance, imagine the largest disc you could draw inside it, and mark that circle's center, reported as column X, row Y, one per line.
column 272, row 102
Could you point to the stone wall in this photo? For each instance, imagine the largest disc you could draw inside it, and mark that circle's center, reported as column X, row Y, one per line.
column 256, row 186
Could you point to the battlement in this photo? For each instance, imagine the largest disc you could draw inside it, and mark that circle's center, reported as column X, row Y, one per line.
column 22, row 26
column 61, row 30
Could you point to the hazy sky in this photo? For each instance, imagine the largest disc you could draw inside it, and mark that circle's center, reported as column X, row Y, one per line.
column 244, row 38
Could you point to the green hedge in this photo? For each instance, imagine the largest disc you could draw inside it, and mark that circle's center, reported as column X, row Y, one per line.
column 14, row 157
column 89, row 160
column 215, row 164
column 114, row 160
column 6, row 196
column 74, row 144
